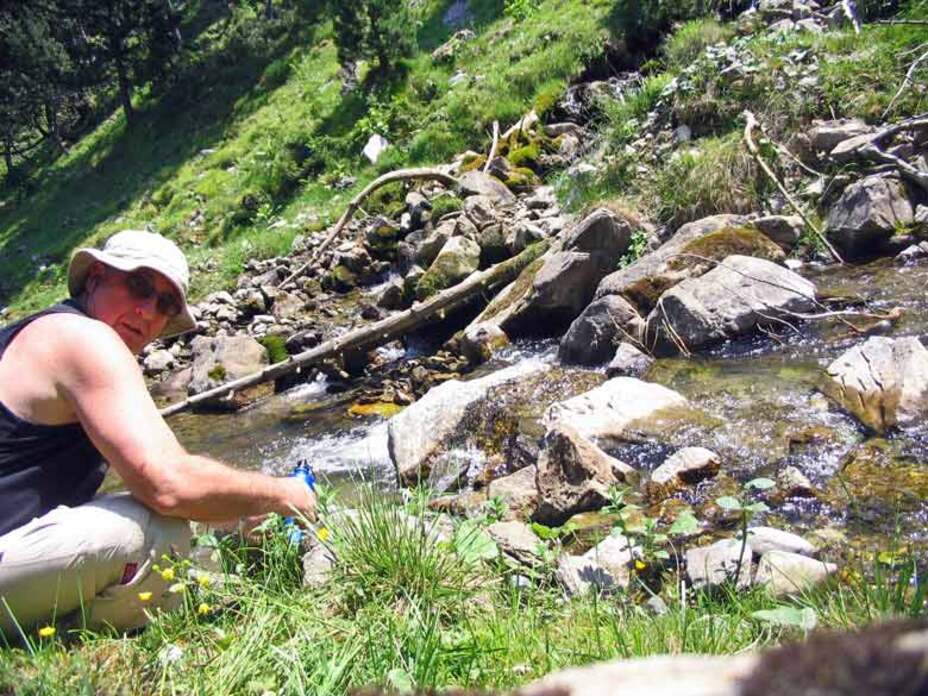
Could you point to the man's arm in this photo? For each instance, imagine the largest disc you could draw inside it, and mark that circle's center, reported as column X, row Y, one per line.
column 100, row 378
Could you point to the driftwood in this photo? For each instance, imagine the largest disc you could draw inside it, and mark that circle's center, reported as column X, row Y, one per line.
column 355, row 204
column 378, row 333
column 486, row 167
column 750, row 124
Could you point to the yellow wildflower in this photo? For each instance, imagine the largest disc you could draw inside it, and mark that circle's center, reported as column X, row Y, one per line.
column 322, row 534
column 203, row 609
column 203, row 580
column 640, row 565
column 177, row 587
column 46, row 631
column 167, row 574
column 145, row 596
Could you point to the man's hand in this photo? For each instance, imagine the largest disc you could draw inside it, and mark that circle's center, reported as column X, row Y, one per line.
column 297, row 499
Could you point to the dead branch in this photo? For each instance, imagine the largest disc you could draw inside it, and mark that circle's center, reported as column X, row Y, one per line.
column 911, row 123
column 913, row 174
column 848, row 8
column 492, row 154
column 750, row 124
column 906, row 82
column 378, row 333
column 355, row 204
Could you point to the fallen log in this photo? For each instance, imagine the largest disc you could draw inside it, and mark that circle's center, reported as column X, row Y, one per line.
column 355, row 204
column 380, row 332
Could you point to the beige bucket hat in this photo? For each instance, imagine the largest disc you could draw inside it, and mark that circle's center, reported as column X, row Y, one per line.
column 132, row 249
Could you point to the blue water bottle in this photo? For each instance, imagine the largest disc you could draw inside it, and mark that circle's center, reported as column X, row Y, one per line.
column 305, row 472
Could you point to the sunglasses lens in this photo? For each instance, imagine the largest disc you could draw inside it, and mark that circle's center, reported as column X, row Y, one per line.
column 168, row 305
column 142, row 288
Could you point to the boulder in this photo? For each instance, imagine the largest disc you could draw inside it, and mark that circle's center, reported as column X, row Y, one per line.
column 287, row 305
column 825, row 135
column 684, row 468
column 592, row 337
column 419, row 437
column 615, row 408
column 912, row 254
column 867, row 214
column 493, row 246
column 574, row 475
column 787, row 573
column 692, row 251
column 518, row 491
column 431, row 244
column 458, row 258
column 580, row 575
column 561, row 288
column 711, row 566
column 628, row 361
column 392, row 296
column 730, row 300
column 603, row 235
column 615, row 553
column 318, row 563
column 479, row 211
column 764, row 539
column 516, row 540
column 792, row 483
column 662, row 675
column 477, row 183
column 223, row 359
column 480, row 341
column 883, row 382
column 158, row 361
column 784, row 230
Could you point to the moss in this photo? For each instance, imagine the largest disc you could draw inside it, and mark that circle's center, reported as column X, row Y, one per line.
column 276, row 347
column 521, row 179
column 384, row 409
column 444, row 204
column 340, row 279
column 218, row 373
column 526, row 155
column 472, row 162
column 746, row 241
column 518, row 290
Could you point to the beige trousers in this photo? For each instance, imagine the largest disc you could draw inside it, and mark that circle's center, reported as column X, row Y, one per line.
column 90, row 561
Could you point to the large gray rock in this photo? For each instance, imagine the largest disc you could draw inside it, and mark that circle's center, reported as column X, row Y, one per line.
column 664, row 675
column 318, row 564
column 614, row 408
column 477, row 183
column 764, row 539
column 222, row 359
column 603, row 235
column 615, row 553
column 867, row 214
column 825, row 135
column 593, row 336
column 689, row 253
column 684, row 468
column 711, row 566
column 419, row 437
column 784, row 230
column 787, row 573
column 580, row 575
column 883, row 381
column 458, row 258
column 574, row 475
column 730, row 300
column 629, row 361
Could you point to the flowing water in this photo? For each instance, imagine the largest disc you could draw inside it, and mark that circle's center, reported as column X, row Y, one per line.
column 759, row 407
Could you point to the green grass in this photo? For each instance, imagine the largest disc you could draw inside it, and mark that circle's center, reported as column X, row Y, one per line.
column 256, row 129
column 404, row 608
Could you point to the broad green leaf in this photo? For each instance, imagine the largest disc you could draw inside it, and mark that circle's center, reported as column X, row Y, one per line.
column 684, row 524
column 472, row 544
column 728, row 503
column 761, row 484
column 543, row 531
column 804, row 618
column 663, row 555
column 757, row 507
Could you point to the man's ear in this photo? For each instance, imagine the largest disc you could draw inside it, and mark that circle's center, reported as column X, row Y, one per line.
column 94, row 275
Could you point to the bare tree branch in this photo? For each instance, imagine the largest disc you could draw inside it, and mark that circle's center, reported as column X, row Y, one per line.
column 906, row 82
column 492, row 154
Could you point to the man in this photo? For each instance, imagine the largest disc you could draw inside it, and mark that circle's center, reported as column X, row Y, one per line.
column 71, row 396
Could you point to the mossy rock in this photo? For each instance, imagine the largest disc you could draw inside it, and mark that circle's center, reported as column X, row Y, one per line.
column 519, row 288
column 472, row 162
column 340, row 280
column 522, row 179
column 445, row 203
column 881, row 479
column 315, row 226
column 384, row 409
column 719, row 245
column 217, row 373
column 276, row 347
column 525, row 156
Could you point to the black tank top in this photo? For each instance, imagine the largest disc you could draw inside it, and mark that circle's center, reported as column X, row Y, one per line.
column 43, row 466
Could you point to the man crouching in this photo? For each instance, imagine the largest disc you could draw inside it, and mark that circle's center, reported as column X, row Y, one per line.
column 72, row 397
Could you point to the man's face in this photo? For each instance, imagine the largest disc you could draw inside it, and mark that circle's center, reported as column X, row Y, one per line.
column 136, row 304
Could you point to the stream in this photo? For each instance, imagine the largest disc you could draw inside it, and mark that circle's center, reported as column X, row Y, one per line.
column 760, row 409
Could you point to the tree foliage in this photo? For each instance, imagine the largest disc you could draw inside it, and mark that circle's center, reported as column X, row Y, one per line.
column 384, row 30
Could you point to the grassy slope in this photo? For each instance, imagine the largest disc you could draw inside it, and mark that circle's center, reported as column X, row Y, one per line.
column 253, row 133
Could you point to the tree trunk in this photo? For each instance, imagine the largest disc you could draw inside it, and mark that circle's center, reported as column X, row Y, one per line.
column 125, row 89
column 381, row 332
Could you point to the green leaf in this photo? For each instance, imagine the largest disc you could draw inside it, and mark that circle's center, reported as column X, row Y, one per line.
column 804, row 618
column 727, row 502
column 685, row 523
column 400, row 680
column 761, row 484
column 543, row 531
column 757, row 507
column 472, row 543
column 662, row 554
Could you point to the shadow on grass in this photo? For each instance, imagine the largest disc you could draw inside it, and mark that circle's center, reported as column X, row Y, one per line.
column 121, row 165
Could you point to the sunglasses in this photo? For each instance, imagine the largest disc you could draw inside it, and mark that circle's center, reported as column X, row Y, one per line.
column 141, row 287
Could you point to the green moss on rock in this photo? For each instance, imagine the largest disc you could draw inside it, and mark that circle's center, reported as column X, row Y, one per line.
column 276, row 347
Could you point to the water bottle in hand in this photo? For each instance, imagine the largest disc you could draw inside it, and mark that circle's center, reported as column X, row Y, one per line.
column 305, row 472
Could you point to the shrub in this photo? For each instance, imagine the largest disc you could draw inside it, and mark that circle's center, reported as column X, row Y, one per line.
column 685, row 45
